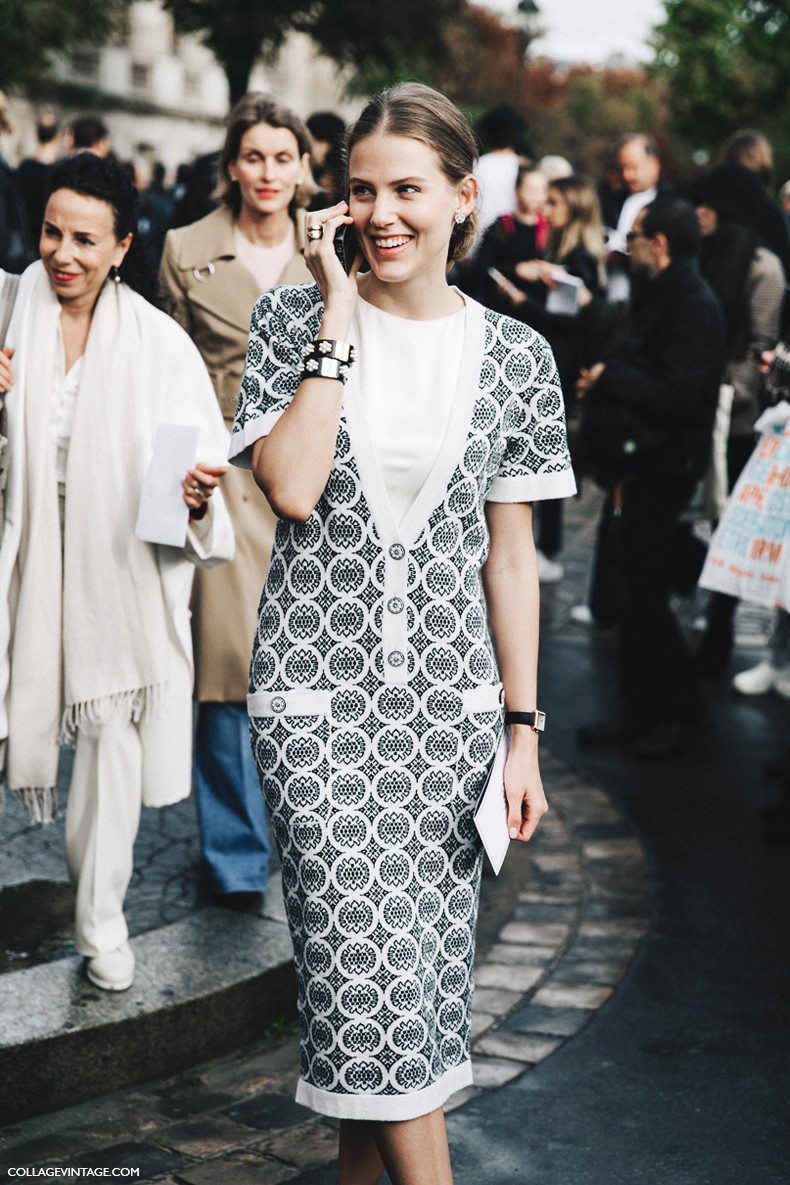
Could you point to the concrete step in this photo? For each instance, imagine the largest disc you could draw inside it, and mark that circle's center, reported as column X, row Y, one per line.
column 203, row 986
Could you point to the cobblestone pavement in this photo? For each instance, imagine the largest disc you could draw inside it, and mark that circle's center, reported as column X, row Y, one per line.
column 556, row 961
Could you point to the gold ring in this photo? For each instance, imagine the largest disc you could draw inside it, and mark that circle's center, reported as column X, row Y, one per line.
column 196, row 490
column 315, row 230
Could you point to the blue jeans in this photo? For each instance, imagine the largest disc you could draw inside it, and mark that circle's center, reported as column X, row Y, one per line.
column 231, row 813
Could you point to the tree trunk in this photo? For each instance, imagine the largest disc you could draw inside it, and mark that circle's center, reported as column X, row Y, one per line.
column 238, row 73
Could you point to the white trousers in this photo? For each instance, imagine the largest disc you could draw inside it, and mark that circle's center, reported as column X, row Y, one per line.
column 102, row 817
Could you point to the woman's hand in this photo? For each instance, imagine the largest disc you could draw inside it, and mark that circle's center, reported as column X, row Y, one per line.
column 339, row 291
column 531, row 272
column 526, row 802
column 199, row 485
column 511, row 291
column 6, row 370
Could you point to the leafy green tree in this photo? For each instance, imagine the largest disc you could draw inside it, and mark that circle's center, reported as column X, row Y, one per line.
column 369, row 40
column 30, row 30
column 725, row 65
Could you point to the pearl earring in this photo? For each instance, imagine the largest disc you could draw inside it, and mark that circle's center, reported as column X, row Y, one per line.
column 460, row 217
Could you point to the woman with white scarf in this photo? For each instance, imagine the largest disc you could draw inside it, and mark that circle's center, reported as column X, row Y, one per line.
column 94, row 622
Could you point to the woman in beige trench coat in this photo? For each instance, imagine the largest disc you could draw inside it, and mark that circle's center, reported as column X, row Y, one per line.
column 212, row 273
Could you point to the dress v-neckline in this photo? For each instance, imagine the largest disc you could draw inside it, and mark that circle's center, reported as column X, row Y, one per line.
column 407, row 531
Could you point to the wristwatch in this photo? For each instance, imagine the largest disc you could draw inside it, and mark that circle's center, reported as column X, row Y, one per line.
column 536, row 720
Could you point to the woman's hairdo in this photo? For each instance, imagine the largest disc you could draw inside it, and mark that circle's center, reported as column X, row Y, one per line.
column 421, row 113
column 254, row 108
column 100, row 177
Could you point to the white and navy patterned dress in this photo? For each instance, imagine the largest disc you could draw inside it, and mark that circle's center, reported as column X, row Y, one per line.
column 375, row 708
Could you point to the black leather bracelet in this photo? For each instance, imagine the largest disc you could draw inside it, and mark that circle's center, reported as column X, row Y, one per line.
column 536, row 720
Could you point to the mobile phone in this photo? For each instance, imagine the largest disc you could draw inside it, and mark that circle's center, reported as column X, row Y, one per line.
column 346, row 246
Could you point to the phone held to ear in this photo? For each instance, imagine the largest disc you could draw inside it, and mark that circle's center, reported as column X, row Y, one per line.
column 346, row 246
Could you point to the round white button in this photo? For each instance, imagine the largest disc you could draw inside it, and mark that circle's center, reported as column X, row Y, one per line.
column 278, row 703
column 395, row 605
column 395, row 658
column 397, row 551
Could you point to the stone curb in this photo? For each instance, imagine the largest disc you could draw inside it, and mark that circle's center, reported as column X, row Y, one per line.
column 556, row 961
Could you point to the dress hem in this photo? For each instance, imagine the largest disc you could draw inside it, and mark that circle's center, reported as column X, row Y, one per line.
column 395, row 1108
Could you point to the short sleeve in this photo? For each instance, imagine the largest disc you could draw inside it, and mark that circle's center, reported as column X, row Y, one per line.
column 284, row 321
column 536, row 463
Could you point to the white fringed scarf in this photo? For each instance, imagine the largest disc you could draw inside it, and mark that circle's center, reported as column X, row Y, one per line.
column 90, row 636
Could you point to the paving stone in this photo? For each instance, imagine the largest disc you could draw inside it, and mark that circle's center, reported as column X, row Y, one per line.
column 527, row 934
column 544, row 911
column 460, row 1097
column 238, row 1168
column 57, row 1146
column 491, row 1072
column 205, row 1137
column 496, row 1000
column 512, row 977
column 481, row 1022
column 623, row 849
column 146, row 1159
column 325, row 1175
column 184, row 1101
column 621, row 905
column 571, row 995
column 567, row 971
column 600, row 950
column 548, row 895
column 553, row 1022
column 304, row 1147
column 567, row 863
column 519, row 1047
column 613, row 928
column 269, row 1112
column 515, row 953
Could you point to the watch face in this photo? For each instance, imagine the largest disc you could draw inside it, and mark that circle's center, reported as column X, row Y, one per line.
column 540, row 721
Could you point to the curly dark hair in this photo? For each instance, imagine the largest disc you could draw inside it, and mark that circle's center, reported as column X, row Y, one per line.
column 106, row 180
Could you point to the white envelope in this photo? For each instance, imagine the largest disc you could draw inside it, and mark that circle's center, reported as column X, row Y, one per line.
column 163, row 515
column 491, row 809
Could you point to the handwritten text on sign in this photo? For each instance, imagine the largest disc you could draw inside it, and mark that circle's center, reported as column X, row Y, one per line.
column 749, row 548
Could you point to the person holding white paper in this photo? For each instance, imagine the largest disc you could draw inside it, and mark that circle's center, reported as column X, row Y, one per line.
column 574, row 262
column 94, row 621
column 400, row 432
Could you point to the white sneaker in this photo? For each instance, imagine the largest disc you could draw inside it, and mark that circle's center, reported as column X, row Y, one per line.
column 549, row 571
column 760, row 680
column 582, row 615
column 113, row 970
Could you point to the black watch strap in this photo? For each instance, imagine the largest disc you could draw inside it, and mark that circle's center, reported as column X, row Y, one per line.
column 536, row 720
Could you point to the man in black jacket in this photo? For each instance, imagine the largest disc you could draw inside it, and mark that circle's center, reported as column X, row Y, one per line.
column 666, row 376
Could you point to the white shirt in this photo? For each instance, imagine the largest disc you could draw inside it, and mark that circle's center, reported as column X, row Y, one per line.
column 266, row 264
column 407, row 373
column 496, row 173
column 69, row 385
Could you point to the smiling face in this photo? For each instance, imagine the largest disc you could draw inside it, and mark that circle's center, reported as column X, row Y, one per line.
column 268, row 169
column 78, row 246
column 403, row 208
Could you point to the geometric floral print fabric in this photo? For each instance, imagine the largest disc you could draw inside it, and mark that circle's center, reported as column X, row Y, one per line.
column 375, row 709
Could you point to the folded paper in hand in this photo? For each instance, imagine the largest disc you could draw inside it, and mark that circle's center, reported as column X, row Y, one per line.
column 564, row 299
column 163, row 514
column 491, row 809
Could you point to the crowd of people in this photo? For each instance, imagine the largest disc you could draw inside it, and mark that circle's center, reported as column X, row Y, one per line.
column 391, row 416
